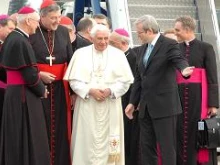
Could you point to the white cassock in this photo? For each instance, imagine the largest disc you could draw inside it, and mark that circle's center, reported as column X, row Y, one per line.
column 97, row 134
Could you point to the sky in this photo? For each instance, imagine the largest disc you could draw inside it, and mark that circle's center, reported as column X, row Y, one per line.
column 4, row 6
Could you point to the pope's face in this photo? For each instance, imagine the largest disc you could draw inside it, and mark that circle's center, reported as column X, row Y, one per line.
column 100, row 40
column 51, row 20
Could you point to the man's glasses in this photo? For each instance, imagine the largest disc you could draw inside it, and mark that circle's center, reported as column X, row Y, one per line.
column 34, row 20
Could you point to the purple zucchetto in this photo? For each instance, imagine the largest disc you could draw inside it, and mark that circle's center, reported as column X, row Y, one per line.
column 122, row 32
column 3, row 17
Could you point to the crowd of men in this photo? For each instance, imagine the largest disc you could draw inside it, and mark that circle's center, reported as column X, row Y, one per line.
column 82, row 96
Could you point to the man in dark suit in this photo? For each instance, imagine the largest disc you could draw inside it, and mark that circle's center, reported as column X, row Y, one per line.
column 156, row 90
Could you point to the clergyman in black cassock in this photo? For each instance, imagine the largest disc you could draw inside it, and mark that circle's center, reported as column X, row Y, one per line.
column 202, row 56
column 6, row 26
column 23, row 139
column 119, row 38
column 52, row 47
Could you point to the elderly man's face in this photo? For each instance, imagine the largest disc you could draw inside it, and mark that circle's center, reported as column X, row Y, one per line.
column 33, row 23
column 143, row 35
column 101, row 40
column 114, row 41
column 51, row 20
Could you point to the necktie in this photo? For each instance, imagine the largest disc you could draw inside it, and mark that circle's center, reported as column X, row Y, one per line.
column 147, row 54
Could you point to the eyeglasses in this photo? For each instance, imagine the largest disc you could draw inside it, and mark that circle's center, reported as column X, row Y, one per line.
column 111, row 42
column 34, row 20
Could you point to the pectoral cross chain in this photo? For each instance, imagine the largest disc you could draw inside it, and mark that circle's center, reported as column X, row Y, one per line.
column 50, row 58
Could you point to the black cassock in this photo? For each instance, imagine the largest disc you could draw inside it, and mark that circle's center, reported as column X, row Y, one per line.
column 55, row 107
column 23, row 139
column 131, row 128
column 200, row 55
column 2, row 89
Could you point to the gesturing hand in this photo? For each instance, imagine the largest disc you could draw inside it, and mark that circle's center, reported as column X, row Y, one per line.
column 187, row 71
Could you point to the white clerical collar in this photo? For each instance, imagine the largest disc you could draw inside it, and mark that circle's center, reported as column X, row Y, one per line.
column 99, row 52
column 1, row 42
column 23, row 31
column 155, row 39
column 187, row 42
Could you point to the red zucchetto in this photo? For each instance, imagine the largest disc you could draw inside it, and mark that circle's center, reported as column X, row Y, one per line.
column 47, row 3
column 26, row 10
column 122, row 32
column 66, row 21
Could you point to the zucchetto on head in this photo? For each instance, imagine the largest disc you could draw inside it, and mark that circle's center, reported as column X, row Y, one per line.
column 122, row 32
column 26, row 10
column 66, row 21
column 4, row 16
column 47, row 3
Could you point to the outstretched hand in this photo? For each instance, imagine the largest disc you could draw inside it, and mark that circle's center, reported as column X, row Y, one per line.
column 187, row 71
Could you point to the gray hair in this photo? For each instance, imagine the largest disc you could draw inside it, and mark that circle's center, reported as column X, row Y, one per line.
column 22, row 17
column 148, row 22
column 99, row 27
column 51, row 8
column 125, row 39
column 187, row 22
column 121, row 37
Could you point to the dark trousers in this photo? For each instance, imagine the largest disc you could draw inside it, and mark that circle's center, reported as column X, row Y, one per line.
column 161, row 131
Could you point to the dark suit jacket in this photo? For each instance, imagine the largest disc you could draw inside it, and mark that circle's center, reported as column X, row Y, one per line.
column 80, row 42
column 155, row 86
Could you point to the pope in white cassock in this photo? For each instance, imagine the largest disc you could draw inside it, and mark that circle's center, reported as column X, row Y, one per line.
column 99, row 74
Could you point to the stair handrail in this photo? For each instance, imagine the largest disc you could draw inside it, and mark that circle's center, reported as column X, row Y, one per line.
column 216, row 25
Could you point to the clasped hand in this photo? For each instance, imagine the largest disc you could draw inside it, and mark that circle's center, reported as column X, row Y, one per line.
column 100, row 94
column 47, row 77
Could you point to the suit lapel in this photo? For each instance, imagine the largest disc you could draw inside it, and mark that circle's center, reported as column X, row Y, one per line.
column 155, row 49
column 142, row 53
